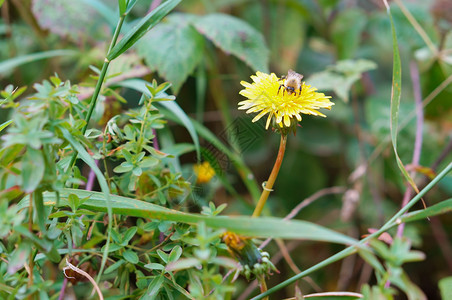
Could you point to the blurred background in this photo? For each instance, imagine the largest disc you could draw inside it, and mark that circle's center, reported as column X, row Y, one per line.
column 342, row 47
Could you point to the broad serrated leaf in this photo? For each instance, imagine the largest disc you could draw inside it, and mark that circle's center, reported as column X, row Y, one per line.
column 68, row 18
column 236, row 37
column 173, row 48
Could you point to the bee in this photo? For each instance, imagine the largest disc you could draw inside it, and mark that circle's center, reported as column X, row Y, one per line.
column 292, row 83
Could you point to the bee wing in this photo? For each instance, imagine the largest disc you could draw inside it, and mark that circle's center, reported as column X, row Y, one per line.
column 292, row 73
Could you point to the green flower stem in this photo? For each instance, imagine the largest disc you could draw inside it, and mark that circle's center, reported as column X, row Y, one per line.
column 263, row 284
column 271, row 180
column 352, row 249
column 30, row 257
column 100, row 81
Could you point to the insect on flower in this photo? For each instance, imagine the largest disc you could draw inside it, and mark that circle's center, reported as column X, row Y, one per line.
column 292, row 83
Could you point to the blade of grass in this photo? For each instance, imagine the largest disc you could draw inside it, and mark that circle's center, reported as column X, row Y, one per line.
column 6, row 124
column 395, row 100
column 99, row 83
column 12, row 63
column 244, row 225
column 434, row 210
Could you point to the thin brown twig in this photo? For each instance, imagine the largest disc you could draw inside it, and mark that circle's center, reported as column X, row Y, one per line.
column 285, row 253
column 83, row 273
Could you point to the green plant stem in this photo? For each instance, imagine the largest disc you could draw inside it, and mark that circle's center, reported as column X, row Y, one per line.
column 30, row 257
column 262, row 284
column 271, row 180
column 99, row 83
column 352, row 249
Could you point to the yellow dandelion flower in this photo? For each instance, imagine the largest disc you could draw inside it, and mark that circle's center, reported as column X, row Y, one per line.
column 266, row 96
column 204, row 172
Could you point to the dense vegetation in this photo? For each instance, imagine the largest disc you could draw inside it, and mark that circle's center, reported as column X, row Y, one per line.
column 129, row 170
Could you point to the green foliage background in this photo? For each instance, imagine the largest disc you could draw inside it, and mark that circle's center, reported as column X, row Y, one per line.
column 146, row 228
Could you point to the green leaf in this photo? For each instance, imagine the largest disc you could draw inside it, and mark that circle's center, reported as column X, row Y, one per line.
column 263, row 227
column 149, row 162
column 123, row 168
column 122, row 6
column 175, row 254
column 19, row 257
column 434, row 210
column 395, row 101
column 114, row 266
column 130, row 5
column 128, row 235
column 130, row 256
column 341, row 76
column 163, row 255
column 43, row 245
column 334, row 296
column 4, row 125
column 140, row 29
column 12, row 63
column 154, row 287
column 184, row 263
column 41, row 215
column 445, row 286
column 154, row 266
column 32, row 170
column 178, row 37
column 237, row 37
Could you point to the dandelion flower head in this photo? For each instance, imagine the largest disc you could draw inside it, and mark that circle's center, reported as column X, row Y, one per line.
column 265, row 95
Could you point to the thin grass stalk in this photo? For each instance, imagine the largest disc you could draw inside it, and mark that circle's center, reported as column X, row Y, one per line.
column 31, row 256
column 99, row 83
